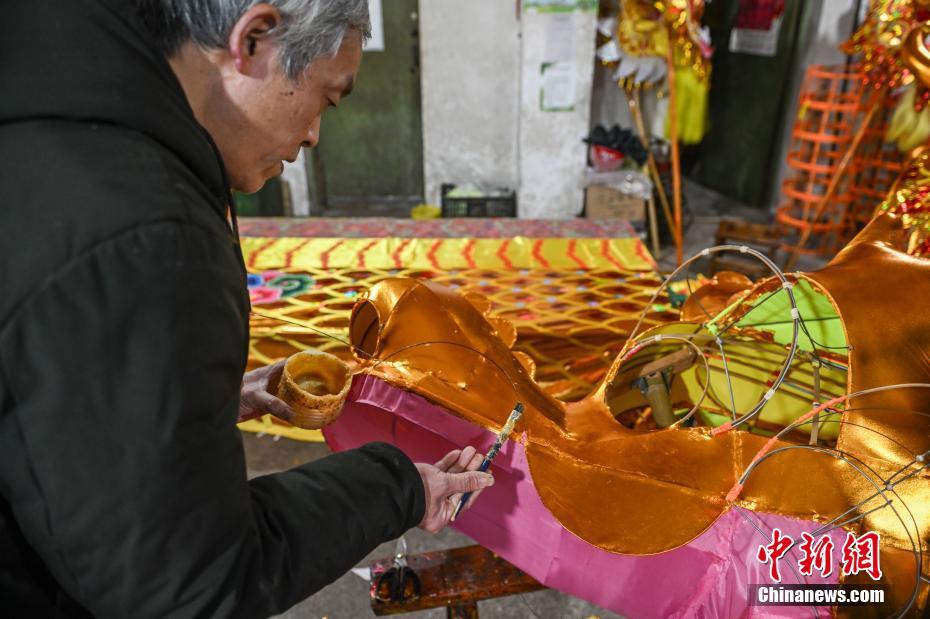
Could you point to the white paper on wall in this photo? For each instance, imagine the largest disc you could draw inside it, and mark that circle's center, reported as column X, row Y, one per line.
column 558, row 86
column 560, row 38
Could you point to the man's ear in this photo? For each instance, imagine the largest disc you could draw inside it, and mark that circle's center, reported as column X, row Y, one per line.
column 250, row 42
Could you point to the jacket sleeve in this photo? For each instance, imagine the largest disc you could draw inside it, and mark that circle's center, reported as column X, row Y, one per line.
column 122, row 459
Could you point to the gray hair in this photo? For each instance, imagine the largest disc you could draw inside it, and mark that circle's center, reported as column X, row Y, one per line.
column 310, row 29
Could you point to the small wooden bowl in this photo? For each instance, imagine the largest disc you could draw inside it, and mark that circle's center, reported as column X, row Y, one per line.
column 315, row 384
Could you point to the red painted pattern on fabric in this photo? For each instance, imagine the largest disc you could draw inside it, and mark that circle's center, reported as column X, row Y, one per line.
column 289, row 256
column 253, row 257
column 324, row 257
column 537, row 254
column 571, row 254
column 431, row 255
column 502, row 254
column 645, row 255
column 605, row 251
column 398, row 263
column 362, row 251
column 469, row 250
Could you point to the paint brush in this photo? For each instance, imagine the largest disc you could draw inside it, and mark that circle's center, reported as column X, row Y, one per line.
column 492, row 453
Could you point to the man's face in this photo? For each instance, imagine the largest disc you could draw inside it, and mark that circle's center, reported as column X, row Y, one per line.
column 272, row 116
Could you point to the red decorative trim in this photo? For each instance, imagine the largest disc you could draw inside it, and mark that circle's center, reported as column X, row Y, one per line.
column 645, row 255
column 398, row 263
column 362, row 251
column 289, row 256
column 605, row 251
column 537, row 254
column 253, row 256
column 571, row 254
column 431, row 255
column 469, row 250
column 324, row 257
column 502, row 254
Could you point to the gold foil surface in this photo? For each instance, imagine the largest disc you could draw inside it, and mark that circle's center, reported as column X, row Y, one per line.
column 638, row 489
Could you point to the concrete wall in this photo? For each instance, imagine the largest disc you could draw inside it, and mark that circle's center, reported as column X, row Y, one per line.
column 470, row 81
column 482, row 122
column 837, row 18
column 552, row 155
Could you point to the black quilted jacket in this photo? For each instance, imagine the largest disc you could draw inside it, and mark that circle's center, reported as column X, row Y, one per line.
column 123, row 338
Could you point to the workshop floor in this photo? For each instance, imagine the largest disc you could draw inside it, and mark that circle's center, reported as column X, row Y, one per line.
column 347, row 598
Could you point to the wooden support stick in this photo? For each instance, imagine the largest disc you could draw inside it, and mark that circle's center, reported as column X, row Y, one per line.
column 653, row 227
column 636, row 113
column 675, row 154
column 678, row 362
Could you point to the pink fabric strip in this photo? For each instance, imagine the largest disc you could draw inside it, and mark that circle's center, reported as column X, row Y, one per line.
column 708, row 577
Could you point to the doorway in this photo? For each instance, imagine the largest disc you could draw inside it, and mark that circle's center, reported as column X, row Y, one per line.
column 370, row 158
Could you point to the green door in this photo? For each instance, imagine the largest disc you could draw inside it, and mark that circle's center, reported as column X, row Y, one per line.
column 370, row 157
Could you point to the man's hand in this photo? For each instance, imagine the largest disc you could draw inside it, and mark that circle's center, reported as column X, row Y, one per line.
column 447, row 481
column 256, row 395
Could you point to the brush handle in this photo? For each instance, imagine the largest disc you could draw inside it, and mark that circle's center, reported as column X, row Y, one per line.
column 492, row 453
column 485, row 465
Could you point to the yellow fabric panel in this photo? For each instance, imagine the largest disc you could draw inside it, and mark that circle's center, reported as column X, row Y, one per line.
column 262, row 254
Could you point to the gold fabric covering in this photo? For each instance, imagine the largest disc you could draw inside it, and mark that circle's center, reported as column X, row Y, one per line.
column 642, row 489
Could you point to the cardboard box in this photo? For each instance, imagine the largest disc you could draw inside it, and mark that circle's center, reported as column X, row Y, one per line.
column 602, row 202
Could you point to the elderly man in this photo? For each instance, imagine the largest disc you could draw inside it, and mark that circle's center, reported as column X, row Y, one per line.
column 124, row 314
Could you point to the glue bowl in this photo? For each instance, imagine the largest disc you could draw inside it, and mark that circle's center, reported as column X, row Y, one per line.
column 315, row 385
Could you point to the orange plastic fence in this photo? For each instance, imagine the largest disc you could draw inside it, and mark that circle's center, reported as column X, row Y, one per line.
column 833, row 118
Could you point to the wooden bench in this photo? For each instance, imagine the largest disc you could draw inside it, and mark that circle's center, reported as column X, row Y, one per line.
column 456, row 579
